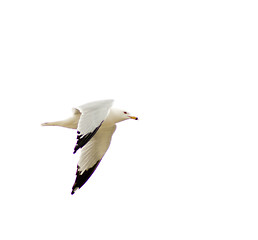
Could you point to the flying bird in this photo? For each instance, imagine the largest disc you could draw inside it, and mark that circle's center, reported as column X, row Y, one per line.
column 95, row 123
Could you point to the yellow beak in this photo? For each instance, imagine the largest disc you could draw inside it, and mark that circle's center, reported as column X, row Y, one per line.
column 135, row 118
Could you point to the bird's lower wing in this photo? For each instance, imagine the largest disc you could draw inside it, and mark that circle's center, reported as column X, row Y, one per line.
column 91, row 155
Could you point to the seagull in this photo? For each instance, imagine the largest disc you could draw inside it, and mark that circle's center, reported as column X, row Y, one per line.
column 95, row 123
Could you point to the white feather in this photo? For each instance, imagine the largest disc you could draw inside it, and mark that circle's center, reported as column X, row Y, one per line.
column 92, row 115
column 95, row 149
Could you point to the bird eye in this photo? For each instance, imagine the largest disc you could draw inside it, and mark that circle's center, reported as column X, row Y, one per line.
column 125, row 112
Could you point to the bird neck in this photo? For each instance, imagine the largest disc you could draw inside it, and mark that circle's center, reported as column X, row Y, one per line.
column 113, row 117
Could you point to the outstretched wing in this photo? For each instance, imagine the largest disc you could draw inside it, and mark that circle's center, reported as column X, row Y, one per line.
column 92, row 116
column 91, row 155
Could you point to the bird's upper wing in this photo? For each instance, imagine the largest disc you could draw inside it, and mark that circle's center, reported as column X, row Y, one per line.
column 91, row 155
column 92, row 116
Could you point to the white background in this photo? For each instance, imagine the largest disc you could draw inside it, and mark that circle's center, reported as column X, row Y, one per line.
column 186, row 170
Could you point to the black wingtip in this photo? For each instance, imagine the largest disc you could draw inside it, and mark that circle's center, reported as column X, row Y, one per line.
column 84, row 139
column 76, row 146
column 81, row 179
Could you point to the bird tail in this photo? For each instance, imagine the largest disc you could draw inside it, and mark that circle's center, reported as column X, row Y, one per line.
column 51, row 124
column 68, row 123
